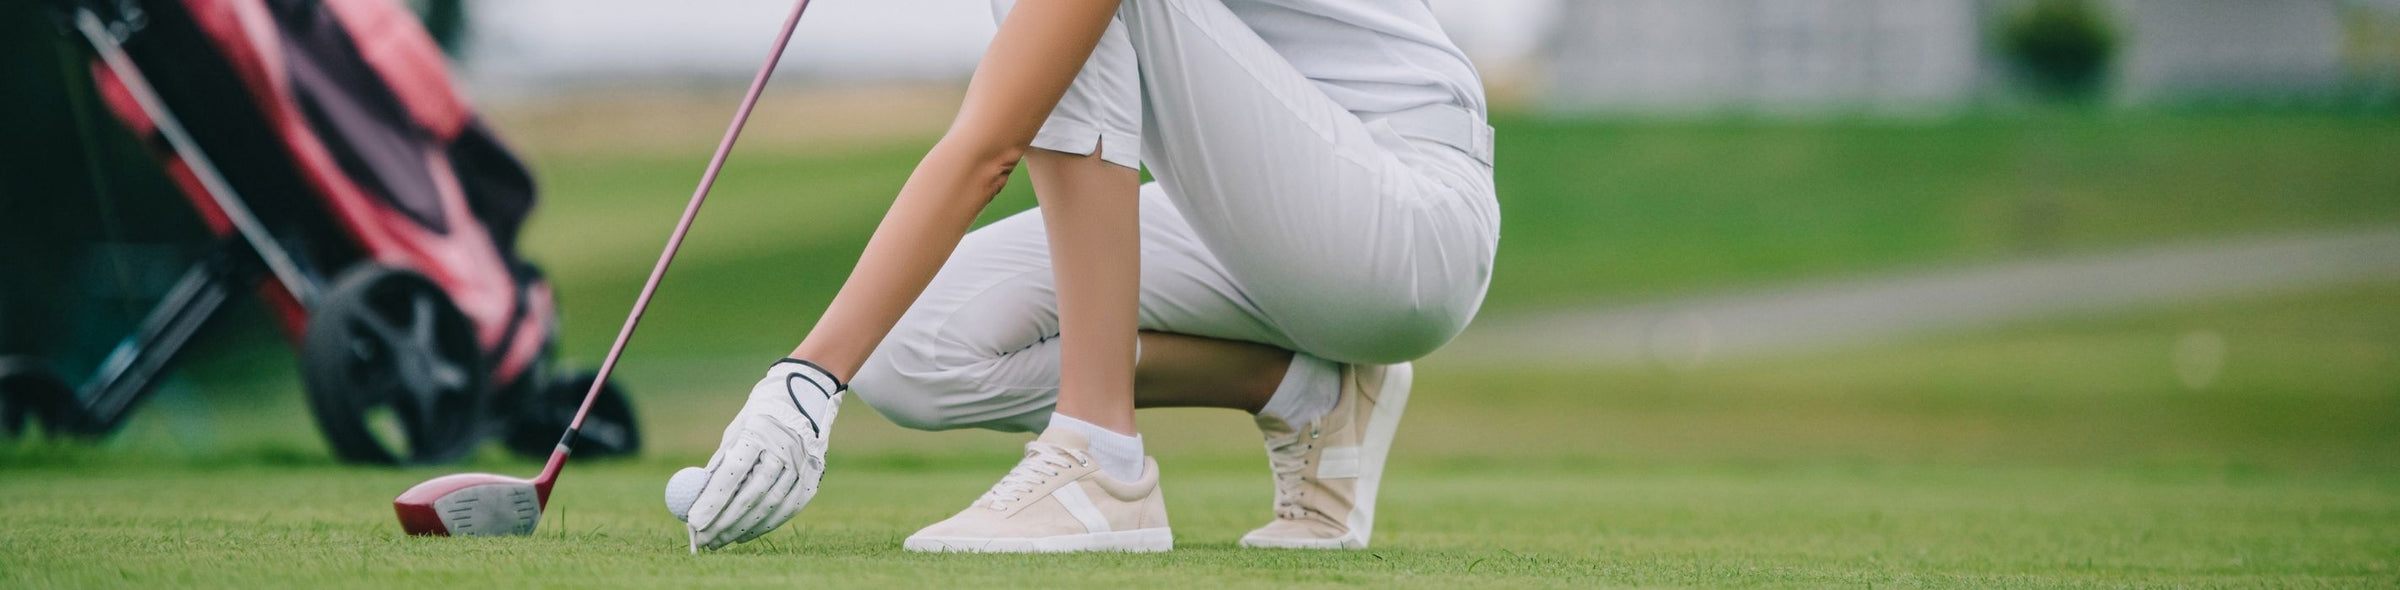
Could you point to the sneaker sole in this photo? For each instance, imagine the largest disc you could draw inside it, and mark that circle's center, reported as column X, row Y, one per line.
column 1382, row 426
column 1336, row 543
column 1133, row 541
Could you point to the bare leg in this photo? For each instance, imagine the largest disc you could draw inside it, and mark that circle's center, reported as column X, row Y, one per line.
column 1092, row 212
column 1179, row 371
column 1037, row 53
column 981, row 349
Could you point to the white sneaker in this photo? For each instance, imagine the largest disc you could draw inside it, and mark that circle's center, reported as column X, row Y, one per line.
column 1057, row 500
column 1327, row 471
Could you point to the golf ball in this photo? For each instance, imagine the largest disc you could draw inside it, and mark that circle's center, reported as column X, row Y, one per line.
column 683, row 489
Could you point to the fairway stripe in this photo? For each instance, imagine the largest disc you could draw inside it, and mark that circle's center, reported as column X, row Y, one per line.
column 1080, row 506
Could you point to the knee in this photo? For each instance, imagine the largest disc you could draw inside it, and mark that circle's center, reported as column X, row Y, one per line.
column 924, row 387
column 911, row 400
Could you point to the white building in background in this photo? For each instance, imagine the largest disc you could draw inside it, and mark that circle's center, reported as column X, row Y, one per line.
column 2186, row 48
column 1642, row 56
column 1918, row 56
column 1775, row 55
column 538, row 46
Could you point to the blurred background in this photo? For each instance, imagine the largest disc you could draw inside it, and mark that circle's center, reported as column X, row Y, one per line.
column 2122, row 240
column 1849, row 289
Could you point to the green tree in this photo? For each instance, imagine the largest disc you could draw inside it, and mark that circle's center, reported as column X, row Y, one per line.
column 2062, row 47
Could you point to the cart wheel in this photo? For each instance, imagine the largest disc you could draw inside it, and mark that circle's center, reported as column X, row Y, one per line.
column 609, row 432
column 28, row 387
column 12, row 419
column 393, row 371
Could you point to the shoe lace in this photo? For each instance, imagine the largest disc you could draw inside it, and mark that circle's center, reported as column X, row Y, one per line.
column 1287, row 456
column 1042, row 461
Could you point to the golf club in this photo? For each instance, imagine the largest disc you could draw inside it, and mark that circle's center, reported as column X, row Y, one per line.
column 485, row 504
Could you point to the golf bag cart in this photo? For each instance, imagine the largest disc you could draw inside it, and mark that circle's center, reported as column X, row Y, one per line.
column 347, row 183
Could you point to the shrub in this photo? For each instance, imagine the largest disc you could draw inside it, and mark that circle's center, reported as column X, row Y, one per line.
column 2062, row 47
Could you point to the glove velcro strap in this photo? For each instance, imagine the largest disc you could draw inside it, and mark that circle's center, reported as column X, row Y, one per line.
column 838, row 385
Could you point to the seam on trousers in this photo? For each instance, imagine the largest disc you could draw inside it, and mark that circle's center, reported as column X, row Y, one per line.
column 1330, row 138
column 1066, row 135
column 943, row 334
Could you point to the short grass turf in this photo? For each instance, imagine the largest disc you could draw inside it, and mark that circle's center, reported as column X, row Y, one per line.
column 2055, row 454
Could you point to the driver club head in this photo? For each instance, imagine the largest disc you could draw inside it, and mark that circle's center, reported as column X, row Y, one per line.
column 483, row 504
column 472, row 505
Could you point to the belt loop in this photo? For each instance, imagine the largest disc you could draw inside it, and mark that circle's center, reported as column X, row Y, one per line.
column 1452, row 125
column 1487, row 143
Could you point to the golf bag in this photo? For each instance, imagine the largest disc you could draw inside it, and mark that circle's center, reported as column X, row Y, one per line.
column 349, row 185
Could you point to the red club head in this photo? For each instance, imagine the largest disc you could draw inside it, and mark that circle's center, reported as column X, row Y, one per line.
column 472, row 504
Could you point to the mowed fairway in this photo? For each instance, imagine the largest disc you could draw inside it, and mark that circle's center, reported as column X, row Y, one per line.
column 2064, row 456
column 2061, row 453
column 1593, row 212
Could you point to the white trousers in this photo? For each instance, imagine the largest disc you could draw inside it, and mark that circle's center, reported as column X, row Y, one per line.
column 1278, row 218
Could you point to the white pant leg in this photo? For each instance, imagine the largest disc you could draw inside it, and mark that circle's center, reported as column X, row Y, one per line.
column 979, row 348
column 1102, row 109
column 1358, row 244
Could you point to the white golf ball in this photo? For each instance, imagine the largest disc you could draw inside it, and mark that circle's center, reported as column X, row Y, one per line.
column 683, row 489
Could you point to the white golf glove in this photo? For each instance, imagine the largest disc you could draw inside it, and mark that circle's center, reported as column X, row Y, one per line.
column 772, row 456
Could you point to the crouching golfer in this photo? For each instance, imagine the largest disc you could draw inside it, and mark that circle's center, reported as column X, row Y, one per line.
column 1323, row 214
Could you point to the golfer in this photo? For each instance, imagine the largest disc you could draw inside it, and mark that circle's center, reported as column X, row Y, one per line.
column 1323, row 214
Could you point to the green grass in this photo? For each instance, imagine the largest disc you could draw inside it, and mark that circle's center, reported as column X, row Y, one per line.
column 1595, row 212
column 1608, row 210
column 2062, row 454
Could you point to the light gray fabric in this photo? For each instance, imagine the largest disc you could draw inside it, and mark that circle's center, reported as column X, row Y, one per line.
column 1278, row 217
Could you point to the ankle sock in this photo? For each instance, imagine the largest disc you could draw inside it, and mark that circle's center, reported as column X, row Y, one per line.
column 1309, row 389
column 1119, row 455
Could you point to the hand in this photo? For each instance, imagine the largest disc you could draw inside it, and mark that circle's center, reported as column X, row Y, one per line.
column 771, row 458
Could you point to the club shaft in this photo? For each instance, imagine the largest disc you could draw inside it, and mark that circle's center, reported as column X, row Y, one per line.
column 758, row 85
column 236, row 211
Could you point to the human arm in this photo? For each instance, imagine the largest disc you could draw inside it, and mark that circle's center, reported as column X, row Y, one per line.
column 1041, row 45
column 771, row 456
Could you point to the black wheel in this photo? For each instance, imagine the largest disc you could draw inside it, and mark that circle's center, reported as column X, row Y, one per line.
column 609, row 432
column 393, row 370
column 12, row 419
column 29, row 390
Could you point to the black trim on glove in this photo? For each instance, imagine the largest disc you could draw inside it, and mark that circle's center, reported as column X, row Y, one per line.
column 838, row 385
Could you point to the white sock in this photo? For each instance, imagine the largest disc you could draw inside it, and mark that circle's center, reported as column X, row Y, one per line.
column 1309, row 389
column 1120, row 455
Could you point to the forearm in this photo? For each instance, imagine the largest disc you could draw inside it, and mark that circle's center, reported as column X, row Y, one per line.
column 926, row 221
column 1091, row 210
column 1035, row 56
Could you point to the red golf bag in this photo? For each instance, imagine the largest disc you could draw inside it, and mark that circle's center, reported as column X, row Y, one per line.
column 352, row 187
